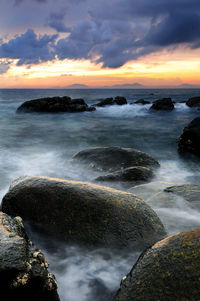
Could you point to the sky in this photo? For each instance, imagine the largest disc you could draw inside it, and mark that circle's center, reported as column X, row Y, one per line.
column 48, row 43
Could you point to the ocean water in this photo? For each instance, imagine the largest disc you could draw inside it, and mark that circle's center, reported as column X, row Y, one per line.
column 42, row 144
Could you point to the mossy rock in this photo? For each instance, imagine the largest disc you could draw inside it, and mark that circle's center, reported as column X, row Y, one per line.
column 169, row 270
column 23, row 268
column 84, row 213
column 113, row 158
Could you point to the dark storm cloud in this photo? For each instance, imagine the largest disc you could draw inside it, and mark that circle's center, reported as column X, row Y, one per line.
column 28, row 48
column 111, row 32
column 56, row 21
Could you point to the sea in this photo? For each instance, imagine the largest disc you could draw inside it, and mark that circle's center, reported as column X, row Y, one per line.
column 43, row 144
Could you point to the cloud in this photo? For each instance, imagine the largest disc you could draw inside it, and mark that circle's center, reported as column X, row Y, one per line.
column 28, row 48
column 4, row 66
column 17, row 2
column 108, row 32
column 56, row 21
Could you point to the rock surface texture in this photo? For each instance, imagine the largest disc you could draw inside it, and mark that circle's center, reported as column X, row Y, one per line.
column 23, row 268
column 189, row 141
column 113, row 158
column 166, row 271
column 83, row 212
column 163, row 104
column 54, row 105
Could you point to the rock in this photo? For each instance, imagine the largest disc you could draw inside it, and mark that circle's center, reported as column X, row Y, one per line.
column 142, row 102
column 84, row 213
column 189, row 192
column 136, row 175
column 150, row 190
column 54, row 105
column 193, row 102
column 119, row 100
column 189, row 141
column 113, row 158
column 166, row 271
column 163, row 104
column 105, row 102
column 23, row 268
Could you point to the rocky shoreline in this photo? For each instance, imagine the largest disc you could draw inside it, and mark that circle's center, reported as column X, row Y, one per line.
column 65, row 104
column 93, row 216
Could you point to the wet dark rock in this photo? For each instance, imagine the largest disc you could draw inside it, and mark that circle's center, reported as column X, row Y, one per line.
column 113, row 158
column 163, row 104
column 189, row 192
column 119, row 100
column 189, row 141
column 23, row 268
column 166, row 271
column 83, row 213
column 141, row 101
column 105, row 102
column 54, row 105
column 193, row 102
column 135, row 175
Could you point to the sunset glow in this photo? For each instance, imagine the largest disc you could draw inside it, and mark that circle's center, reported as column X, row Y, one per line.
column 54, row 57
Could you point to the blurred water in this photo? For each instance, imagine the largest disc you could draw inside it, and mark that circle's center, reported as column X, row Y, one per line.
column 42, row 144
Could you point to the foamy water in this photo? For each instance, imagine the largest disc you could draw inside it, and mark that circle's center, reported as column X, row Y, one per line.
column 35, row 144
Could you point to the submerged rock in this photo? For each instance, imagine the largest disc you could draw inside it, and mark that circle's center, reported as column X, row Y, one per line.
column 150, row 190
column 113, row 158
column 193, row 102
column 23, row 268
column 189, row 192
column 82, row 212
column 163, row 104
column 54, row 105
column 166, row 271
column 137, row 174
column 189, row 141
column 118, row 100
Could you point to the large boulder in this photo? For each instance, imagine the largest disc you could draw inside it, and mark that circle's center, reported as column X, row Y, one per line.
column 83, row 212
column 189, row 141
column 165, row 104
column 135, row 175
column 193, row 102
column 118, row 100
column 23, row 268
column 54, row 105
column 169, row 270
column 113, row 158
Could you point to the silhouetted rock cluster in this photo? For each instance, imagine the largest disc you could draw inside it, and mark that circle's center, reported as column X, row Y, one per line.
column 55, row 105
